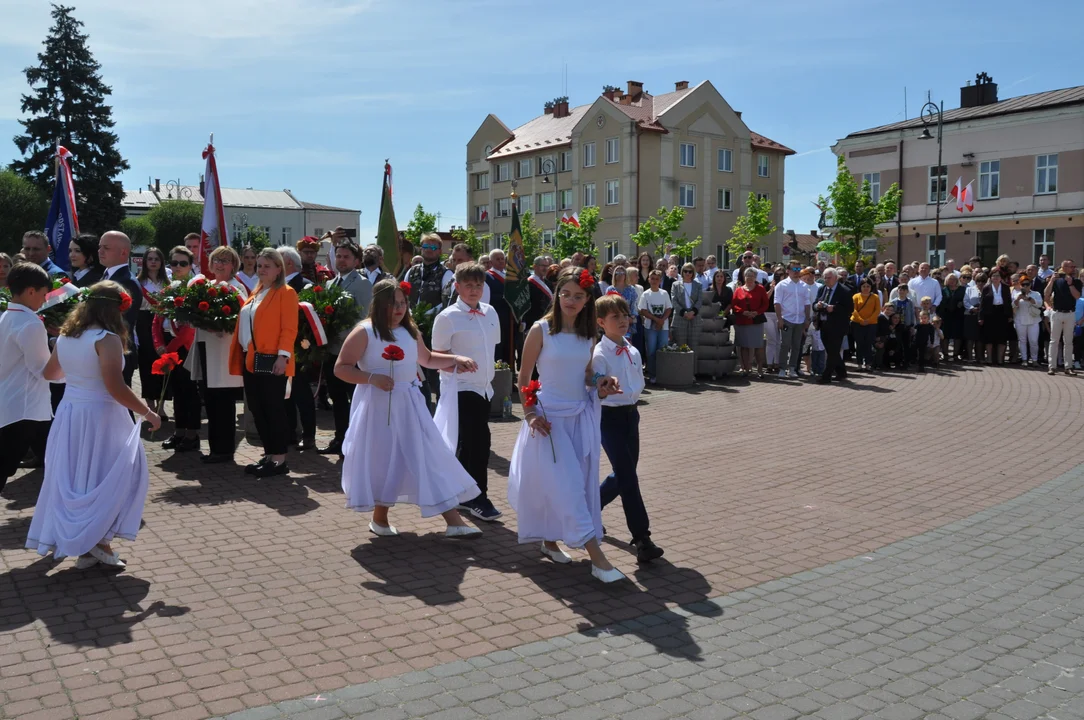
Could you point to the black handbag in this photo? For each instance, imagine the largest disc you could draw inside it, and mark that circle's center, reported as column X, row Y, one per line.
column 262, row 363
column 760, row 319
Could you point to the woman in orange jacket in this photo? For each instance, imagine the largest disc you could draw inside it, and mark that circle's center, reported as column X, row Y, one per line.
column 867, row 306
column 262, row 352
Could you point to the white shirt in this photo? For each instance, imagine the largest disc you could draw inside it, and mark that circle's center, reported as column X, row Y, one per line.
column 627, row 367
column 462, row 332
column 656, row 302
column 249, row 280
column 739, row 275
column 1045, row 273
column 793, row 296
column 1022, row 315
column 705, row 280
column 688, row 292
column 972, row 297
column 24, row 352
column 996, row 291
column 110, row 270
column 80, row 274
column 372, row 274
column 925, row 287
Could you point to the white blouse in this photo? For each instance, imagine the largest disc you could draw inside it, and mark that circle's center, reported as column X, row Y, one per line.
column 246, row 319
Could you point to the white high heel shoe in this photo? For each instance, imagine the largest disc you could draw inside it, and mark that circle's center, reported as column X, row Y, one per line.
column 607, row 576
column 382, row 530
column 109, row 560
column 558, row 555
column 462, row 531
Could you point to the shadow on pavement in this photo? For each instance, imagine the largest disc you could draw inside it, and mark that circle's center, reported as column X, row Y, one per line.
column 280, row 493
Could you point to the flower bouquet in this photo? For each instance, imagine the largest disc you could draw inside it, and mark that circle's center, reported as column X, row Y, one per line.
column 202, row 303
column 335, row 311
column 60, row 301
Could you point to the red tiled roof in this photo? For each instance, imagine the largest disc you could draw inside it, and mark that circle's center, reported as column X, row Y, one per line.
column 759, row 141
column 807, row 244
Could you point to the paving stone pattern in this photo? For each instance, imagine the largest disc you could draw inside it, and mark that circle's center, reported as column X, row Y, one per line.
column 981, row 619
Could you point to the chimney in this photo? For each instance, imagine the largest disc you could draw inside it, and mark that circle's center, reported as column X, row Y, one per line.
column 983, row 92
column 636, row 89
column 813, row 233
column 608, row 92
column 790, row 234
column 549, row 109
column 157, row 185
column 681, row 85
column 564, row 108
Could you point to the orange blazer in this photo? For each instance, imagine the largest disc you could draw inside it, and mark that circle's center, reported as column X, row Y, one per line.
column 274, row 328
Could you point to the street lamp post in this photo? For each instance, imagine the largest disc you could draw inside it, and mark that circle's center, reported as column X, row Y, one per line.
column 932, row 115
column 548, row 167
column 176, row 191
column 240, row 220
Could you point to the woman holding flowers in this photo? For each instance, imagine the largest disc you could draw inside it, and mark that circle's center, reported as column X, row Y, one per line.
column 170, row 336
column 210, row 364
column 553, row 478
column 95, row 480
column 393, row 452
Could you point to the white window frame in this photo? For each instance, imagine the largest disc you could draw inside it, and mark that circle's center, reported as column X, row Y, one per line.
column 546, row 201
column 564, row 199
column 287, row 236
column 874, row 179
column 943, row 179
column 481, row 181
column 869, row 245
column 764, row 165
column 590, row 195
column 764, row 196
column 613, row 150
column 936, row 246
column 1042, row 244
column 613, row 192
column 589, row 156
column 520, row 164
column 687, row 195
column 478, row 210
column 990, row 171
column 548, row 238
column 504, row 207
column 504, row 172
column 496, row 241
column 724, row 200
column 611, row 251
column 687, row 155
column 565, row 161
column 525, row 203
column 1046, row 174
column 725, row 160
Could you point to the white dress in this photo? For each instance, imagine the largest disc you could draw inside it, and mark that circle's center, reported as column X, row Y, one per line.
column 407, row 460
column 560, row 501
column 96, row 480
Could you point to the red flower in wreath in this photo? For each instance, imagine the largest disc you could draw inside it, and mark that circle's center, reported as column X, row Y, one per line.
column 405, row 287
column 227, row 309
column 178, row 302
column 211, row 292
column 200, row 281
column 125, row 302
column 586, row 280
column 204, row 306
column 317, row 288
column 393, row 353
column 329, row 309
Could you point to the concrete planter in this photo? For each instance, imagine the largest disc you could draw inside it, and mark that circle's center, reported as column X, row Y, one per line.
column 502, row 388
column 675, row 369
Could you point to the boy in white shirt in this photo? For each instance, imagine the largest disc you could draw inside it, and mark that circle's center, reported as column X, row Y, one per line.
column 471, row 328
column 26, row 410
column 619, row 376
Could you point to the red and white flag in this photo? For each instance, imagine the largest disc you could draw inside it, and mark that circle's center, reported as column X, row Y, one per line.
column 573, row 220
column 965, row 195
column 213, row 230
column 483, row 216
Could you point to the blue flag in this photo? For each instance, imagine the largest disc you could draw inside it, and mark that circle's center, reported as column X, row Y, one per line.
column 63, row 223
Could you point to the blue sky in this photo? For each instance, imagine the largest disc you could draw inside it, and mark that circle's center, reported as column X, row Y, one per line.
column 312, row 95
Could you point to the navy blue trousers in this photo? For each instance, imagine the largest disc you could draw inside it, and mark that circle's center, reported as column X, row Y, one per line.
column 621, row 441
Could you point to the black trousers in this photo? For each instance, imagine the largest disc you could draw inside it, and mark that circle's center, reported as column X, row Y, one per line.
column 621, row 441
column 266, row 398
column 833, row 341
column 16, row 439
column 149, row 383
column 474, row 439
column 341, row 394
column 301, row 403
column 221, row 405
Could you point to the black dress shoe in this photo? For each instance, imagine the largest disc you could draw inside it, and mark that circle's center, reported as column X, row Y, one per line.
column 306, row 444
column 251, row 468
column 646, row 550
column 824, row 381
column 216, row 458
column 187, row 444
column 334, row 448
column 172, row 441
column 272, row 468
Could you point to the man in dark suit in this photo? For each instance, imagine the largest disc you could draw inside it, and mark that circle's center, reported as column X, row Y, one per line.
column 541, row 294
column 833, row 308
column 300, row 399
column 495, row 281
column 114, row 250
column 891, row 279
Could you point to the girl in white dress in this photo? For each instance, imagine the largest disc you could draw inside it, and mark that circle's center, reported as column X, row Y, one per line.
column 553, row 479
column 95, row 471
column 393, row 451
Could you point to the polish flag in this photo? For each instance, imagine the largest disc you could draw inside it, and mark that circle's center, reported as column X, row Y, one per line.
column 574, row 220
column 965, row 195
column 213, row 230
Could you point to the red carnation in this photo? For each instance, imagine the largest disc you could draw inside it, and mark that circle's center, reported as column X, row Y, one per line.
column 405, row 287
column 178, row 301
column 317, row 288
column 227, row 309
column 586, row 280
column 203, row 306
column 211, row 292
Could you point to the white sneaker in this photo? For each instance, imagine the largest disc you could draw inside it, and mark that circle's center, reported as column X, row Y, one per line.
column 462, row 531
column 382, row 530
column 106, row 559
column 85, row 561
column 558, row 555
column 607, row 576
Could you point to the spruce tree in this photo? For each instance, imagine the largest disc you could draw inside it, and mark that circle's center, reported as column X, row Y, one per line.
column 67, row 105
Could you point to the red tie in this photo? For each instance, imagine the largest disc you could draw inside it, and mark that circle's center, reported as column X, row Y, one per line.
column 624, row 349
column 475, row 311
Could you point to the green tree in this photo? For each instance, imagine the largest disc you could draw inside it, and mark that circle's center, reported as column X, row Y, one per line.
column 173, row 219
column 139, row 230
column 22, row 207
column 531, row 234
column 252, row 235
column 421, row 223
column 852, row 214
column 572, row 239
column 67, row 105
column 751, row 227
column 659, row 232
column 469, row 237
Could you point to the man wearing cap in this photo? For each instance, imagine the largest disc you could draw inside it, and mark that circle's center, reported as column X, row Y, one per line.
column 307, row 247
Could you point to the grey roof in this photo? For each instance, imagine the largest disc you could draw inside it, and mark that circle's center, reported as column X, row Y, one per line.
column 330, row 208
column 241, row 197
column 1023, row 103
column 542, row 132
column 139, row 199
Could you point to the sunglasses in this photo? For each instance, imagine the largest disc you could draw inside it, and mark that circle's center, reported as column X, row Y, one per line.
column 687, row 272
column 430, row 247
column 179, row 263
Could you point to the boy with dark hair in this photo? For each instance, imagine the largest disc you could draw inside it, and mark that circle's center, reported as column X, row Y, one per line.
column 26, row 410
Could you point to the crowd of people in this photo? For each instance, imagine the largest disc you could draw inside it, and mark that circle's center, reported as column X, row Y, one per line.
column 411, row 400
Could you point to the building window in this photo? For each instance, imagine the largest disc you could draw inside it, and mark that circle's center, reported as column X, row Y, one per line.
column 566, row 161
column 564, row 200
column 481, row 213
column 481, row 181
column 1044, row 245
column 504, row 172
column 547, row 237
column 589, row 154
column 523, row 168
column 762, row 196
column 504, row 207
column 874, row 180
column 611, row 251
column 687, row 195
column 589, row 195
column 545, row 202
column 613, row 152
column 935, row 250
column 318, row 232
column 938, row 185
column 1046, row 174
column 496, row 241
column 989, row 179
column 725, row 199
column 543, row 168
column 763, row 165
column 986, row 247
column 688, row 155
column 287, row 238
column 524, row 203
column 726, row 160
column 612, row 191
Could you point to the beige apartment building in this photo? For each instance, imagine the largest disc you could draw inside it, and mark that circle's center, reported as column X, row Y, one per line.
column 1025, row 156
column 628, row 153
